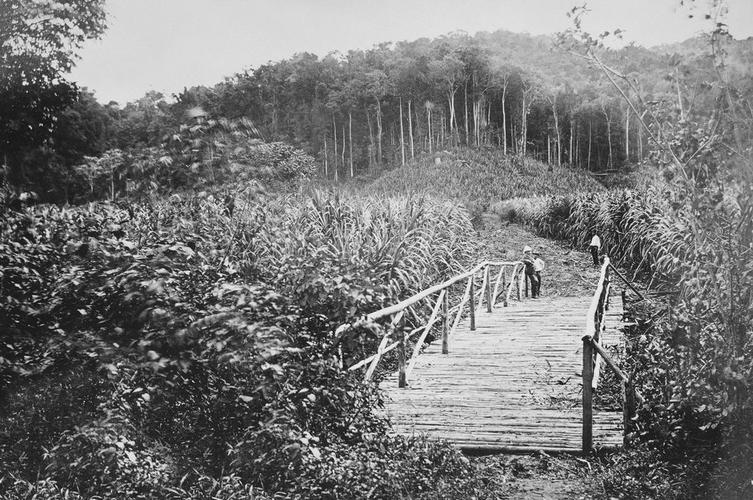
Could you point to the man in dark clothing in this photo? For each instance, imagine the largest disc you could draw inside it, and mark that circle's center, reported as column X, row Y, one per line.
column 594, row 247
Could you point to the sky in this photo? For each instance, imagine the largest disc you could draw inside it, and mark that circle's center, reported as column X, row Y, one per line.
column 166, row 45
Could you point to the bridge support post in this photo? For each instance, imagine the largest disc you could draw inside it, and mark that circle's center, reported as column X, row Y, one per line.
column 588, row 375
column 401, row 381
column 489, row 300
column 504, row 287
column 445, row 325
column 472, row 304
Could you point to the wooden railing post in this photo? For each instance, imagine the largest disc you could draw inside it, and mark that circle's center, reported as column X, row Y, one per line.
column 588, row 373
column 472, row 303
column 401, row 380
column 504, row 285
column 445, row 324
column 489, row 300
column 517, row 282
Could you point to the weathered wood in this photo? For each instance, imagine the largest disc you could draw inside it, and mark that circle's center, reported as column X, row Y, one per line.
column 402, row 382
column 608, row 360
column 426, row 330
column 445, row 325
column 460, row 306
column 499, row 390
column 507, row 295
column 388, row 311
column 514, row 281
column 489, row 301
column 587, row 394
column 495, row 292
column 624, row 280
column 472, row 304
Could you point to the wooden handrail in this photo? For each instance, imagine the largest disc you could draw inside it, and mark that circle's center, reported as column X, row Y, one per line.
column 596, row 313
column 387, row 311
column 630, row 285
column 399, row 309
column 593, row 352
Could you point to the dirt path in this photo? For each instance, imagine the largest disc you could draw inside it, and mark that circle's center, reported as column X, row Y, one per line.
column 568, row 272
column 542, row 476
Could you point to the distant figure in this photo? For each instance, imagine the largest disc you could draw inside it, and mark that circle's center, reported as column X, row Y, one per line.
column 594, row 247
column 538, row 266
column 530, row 272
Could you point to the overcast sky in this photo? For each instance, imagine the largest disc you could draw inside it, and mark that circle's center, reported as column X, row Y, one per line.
column 166, row 45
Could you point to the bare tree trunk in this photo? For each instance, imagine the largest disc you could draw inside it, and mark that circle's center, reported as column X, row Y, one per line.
column 442, row 129
column 548, row 150
column 609, row 135
column 570, row 156
column 487, row 138
column 402, row 139
column 627, row 135
column 553, row 103
column 640, row 144
column 410, row 130
column 371, row 140
column 523, row 126
column 342, row 156
column 588, row 163
column 326, row 169
column 465, row 104
column 334, row 157
column 379, row 132
column 350, row 141
column 504, row 118
column 428, row 121
column 451, row 104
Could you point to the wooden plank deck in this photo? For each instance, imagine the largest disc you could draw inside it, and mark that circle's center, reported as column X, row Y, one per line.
column 513, row 384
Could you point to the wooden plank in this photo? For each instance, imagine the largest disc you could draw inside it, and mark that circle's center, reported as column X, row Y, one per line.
column 497, row 389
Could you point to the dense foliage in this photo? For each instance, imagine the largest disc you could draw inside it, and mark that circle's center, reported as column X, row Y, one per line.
column 38, row 45
column 173, row 350
column 692, row 358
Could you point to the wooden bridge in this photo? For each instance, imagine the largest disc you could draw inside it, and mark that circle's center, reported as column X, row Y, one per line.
column 502, row 378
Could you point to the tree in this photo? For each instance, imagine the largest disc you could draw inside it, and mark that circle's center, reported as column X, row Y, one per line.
column 38, row 45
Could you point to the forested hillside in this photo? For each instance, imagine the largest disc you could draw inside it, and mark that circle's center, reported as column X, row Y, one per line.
column 368, row 110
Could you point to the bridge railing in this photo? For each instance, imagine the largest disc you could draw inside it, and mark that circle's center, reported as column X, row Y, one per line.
column 508, row 283
column 594, row 352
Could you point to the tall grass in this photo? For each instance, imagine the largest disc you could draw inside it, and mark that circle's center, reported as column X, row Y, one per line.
column 405, row 242
column 638, row 228
column 693, row 356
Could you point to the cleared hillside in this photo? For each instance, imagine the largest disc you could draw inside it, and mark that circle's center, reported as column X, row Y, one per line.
column 481, row 177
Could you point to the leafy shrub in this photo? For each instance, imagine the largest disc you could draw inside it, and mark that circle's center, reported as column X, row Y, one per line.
column 201, row 344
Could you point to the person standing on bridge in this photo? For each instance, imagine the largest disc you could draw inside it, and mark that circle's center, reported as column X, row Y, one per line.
column 594, row 247
column 538, row 266
column 530, row 272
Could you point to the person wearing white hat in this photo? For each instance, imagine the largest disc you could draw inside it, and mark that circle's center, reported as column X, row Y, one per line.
column 530, row 273
column 594, row 247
